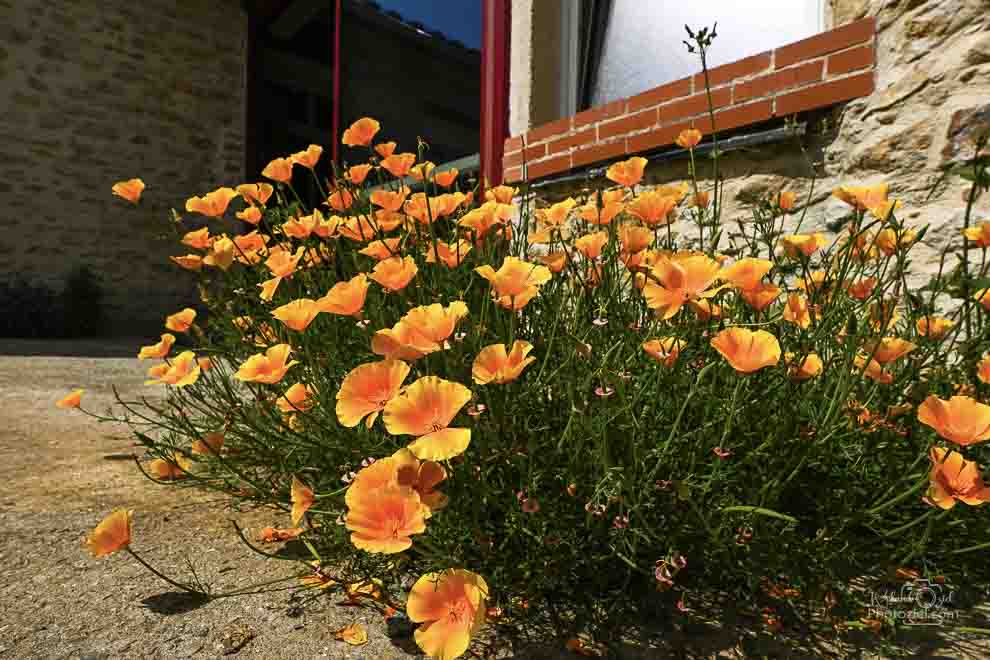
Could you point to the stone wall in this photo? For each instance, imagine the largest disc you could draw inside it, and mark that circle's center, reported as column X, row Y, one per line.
column 932, row 90
column 97, row 91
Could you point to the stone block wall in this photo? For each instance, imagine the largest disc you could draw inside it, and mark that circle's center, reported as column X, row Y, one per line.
column 98, row 91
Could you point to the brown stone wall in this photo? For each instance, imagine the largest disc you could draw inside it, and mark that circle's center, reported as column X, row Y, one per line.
column 97, row 91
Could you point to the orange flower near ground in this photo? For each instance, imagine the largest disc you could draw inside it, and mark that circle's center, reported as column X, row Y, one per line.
column 112, row 534
column 180, row 321
column 282, row 263
column 747, row 350
column 688, row 138
column 873, row 370
column 664, row 350
column 888, row 242
column 385, row 149
column 301, row 227
column 761, row 296
column 862, row 198
column 384, row 521
column 298, row 398
column 653, row 208
column 983, row 297
column 345, row 298
column 71, row 400
column 390, row 200
column 494, row 365
column 810, row 366
column 450, row 254
column 279, row 169
column 354, row 634
column 209, row 444
column 367, row 389
column 159, row 350
column 954, row 479
column 485, row 218
column 422, row 171
column 961, row 420
column 402, row 342
column 557, row 214
column 888, row 349
column 361, row 132
column 785, row 200
column 398, row 165
column 130, row 190
column 635, row 238
column 297, row 314
column 745, row 274
column 426, row 409
column 156, row 372
column 302, row 498
column 627, row 172
column 591, row 245
column 501, row 194
column 421, row 476
column 979, row 236
column 452, row 607
column 250, row 215
column 256, row 193
column 700, row 199
column 189, row 261
column 436, row 323
column 380, row 250
column 601, row 216
column 212, row 204
column 446, row 178
column 274, row 535
column 862, row 289
column 199, row 239
column 268, row 368
column 308, row 158
column 677, row 280
column 170, row 470
column 797, row 311
column 706, row 310
column 884, row 209
column 358, row 173
column 798, row 245
column 340, row 200
column 396, row 273
column 183, row 371
column 983, row 369
column 516, row 282
column 555, row 261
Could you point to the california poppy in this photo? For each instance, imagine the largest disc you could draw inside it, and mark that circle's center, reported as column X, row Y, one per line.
column 785, row 200
column 434, row 322
column 677, row 280
column 209, row 444
column 256, row 193
column 422, row 171
column 603, row 215
column 555, row 261
column 501, row 194
column 183, row 371
column 809, row 367
column 395, row 273
column 300, row 227
column 358, row 173
column 861, row 290
column 308, row 158
column 446, row 178
column 591, row 245
column 798, row 245
column 250, row 215
column 452, row 607
column 274, row 535
column 367, row 389
column 954, row 479
column 746, row 273
column 888, row 349
column 279, row 169
column 170, row 469
column 383, row 249
column 933, row 327
column 983, row 369
column 398, row 165
column 302, row 498
column 385, row 149
column 664, row 350
column 494, row 365
column 298, row 398
column 516, row 282
column 961, row 420
column 268, row 368
column 627, row 172
column 797, row 310
column 761, row 296
column 450, row 254
column 340, row 199
column 862, row 197
column 70, row 400
column 130, row 190
column 354, row 634
column 688, row 138
column 426, row 409
column 747, row 350
column 297, row 314
column 112, row 534
column 345, row 298
column 402, row 342
column 361, row 132
column 180, row 321
column 391, row 200
column 384, row 520
column 189, row 261
column 872, row 370
column 979, row 236
column 557, row 214
column 212, row 204
column 159, row 350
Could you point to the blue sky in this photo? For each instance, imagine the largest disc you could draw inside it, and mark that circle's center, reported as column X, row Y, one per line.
column 458, row 19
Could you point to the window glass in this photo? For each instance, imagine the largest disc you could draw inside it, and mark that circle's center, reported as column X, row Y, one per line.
column 644, row 47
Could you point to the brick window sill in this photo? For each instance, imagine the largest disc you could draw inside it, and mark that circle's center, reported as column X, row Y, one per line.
column 817, row 72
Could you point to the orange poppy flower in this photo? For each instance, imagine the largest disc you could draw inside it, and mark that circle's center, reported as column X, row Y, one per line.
column 450, row 254
column 446, row 204
column 384, row 249
column 256, row 193
column 274, row 535
column 395, row 273
column 635, row 238
column 677, row 280
column 653, row 208
column 888, row 349
column 798, row 245
column 872, row 370
column 516, row 281
column 70, row 400
column 400, row 469
column 961, row 420
column 862, row 289
column 221, row 254
column 501, row 194
column 664, row 350
column 398, row 165
column 112, row 534
column 209, row 444
column 402, row 342
column 979, row 236
column 745, row 274
column 885, row 209
column 279, row 169
column 810, row 366
column 422, row 171
column 747, row 350
column 705, row 309
column 627, row 172
column 358, row 173
column 446, row 178
column 556, row 215
column 862, row 198
column 159, row 350
column 361, row 132
column 797, row 311
column 888, row 242
column 452, row 607
column 189, row 261
column 130, row 190
column 367, row 389
column 252, row 242
column 555, row 261
column 156, row 372
column 383, row 521
column 426, row 409
column 385, row 149
column 300, row 227
column 954, row 479
column 297, row 314
column 199, row 239
column 308, row 158
column 298, row 398
column 983, row 369
column 700, row 199
column 983, row 297
column 183, row 371
column 250, row 215
column 212, row 204
column 390, row 200
column 601, row 216
column 180, row 321
column 282, row 263
column 785, row 200
column 482, row 219
column 761, row 296
column 688, row 138
column 268, row 368
column 340, row 200
column 434, row 322
column 170, row 470
column 345, row 298
column 494, row 365
column 591, row 245
column 302, row 498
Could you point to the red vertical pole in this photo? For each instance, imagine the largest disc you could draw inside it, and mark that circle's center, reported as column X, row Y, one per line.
column 494, row 87
column 336, row 82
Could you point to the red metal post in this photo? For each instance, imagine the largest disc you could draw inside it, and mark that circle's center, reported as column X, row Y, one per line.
column 495, row 28
column 336, row 83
